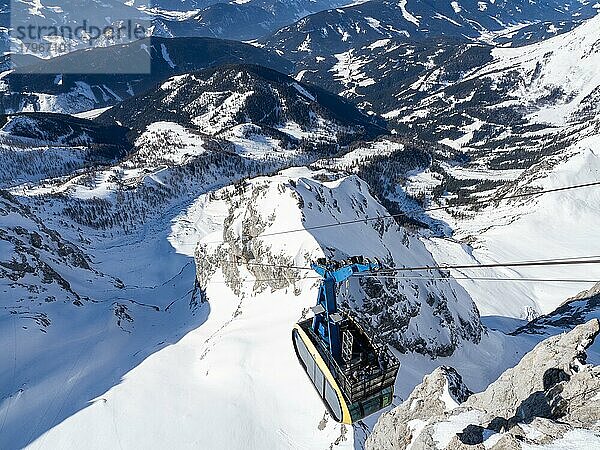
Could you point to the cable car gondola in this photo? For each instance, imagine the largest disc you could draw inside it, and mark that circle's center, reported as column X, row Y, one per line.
column 353, row 375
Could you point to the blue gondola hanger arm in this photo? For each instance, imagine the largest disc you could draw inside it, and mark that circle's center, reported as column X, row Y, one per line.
column 325, row 324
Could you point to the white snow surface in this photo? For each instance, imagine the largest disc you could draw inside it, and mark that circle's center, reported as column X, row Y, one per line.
column 552, row 225
column 407, row 15
column 177, row 143
column 568, row 62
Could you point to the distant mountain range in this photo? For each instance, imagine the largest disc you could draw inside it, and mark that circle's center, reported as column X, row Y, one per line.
column 316, row 24
column 51, row 90
column 339, row 30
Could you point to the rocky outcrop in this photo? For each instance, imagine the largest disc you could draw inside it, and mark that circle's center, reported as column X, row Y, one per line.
column 440, row 391
column 533, row 387
column 36, row 262
column 578, row 309
column 550, row 395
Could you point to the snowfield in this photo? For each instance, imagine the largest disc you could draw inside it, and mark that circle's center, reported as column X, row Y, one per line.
column 552, row 225
column 568, row 70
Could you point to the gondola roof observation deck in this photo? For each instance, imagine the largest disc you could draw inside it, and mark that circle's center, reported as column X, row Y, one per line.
column 353, row 375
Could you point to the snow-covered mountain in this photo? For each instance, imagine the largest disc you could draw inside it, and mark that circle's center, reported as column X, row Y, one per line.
column 551, row 83
column 342, row 29
column 240, row 20
column 249, row 100
column 45, row 87
column 136, row 294
column 409, row 82
column 326, row 28
column 24, row 24
column 402, row 311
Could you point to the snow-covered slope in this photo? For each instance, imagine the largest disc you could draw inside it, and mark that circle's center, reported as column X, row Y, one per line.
column 552, row 225
column 37, row 146
column 558, row 78
column 523, row 94
column 78, row 313
column 141, row 298
column 238, row 366
column 468, row 95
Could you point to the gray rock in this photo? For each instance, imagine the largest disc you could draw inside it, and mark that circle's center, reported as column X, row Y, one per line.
column 574, row 311
column 549, row 393
column 439, row 392
column 532, row 388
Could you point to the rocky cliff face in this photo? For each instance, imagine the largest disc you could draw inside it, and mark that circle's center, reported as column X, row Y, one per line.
column 550, row 397
column 440, row 392
column 36, row 261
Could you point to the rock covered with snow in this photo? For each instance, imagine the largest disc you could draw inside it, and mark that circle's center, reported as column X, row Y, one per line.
column 549, row 397
column 250, row 243
column 36, row 261
column 439, row 392
column 578, row 309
